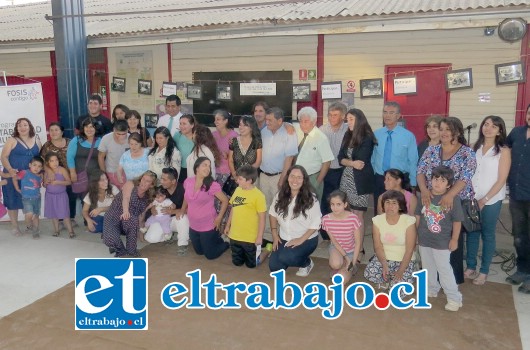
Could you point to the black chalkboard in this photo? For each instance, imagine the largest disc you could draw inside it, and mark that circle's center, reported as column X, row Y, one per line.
column 240, row 105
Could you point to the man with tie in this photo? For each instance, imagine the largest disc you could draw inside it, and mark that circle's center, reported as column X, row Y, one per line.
column 171, row 119
column 314, row 150
column 396, row 149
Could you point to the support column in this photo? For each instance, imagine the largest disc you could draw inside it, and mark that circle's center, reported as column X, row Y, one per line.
column 70, row 54
column 320, row 78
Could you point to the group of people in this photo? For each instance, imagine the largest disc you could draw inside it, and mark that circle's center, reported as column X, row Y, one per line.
column 309, row 180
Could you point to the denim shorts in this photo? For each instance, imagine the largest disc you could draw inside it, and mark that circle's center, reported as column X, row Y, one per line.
column 332, row 247
column 31, row 205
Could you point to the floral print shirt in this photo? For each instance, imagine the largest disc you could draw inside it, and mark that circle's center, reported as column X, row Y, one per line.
column 463, row 163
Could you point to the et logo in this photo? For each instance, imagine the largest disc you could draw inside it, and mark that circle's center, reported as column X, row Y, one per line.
column 111, row 294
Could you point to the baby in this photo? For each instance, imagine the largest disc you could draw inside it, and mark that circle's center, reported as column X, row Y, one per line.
column 160, row 203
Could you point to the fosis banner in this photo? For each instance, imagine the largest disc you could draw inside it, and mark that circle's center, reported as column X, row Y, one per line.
column 21, row 101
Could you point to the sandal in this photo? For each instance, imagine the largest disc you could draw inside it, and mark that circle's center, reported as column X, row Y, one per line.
column 481, row 279
column 470, row 274
column 56, row 234
column 17, row 232
column 359, row 259
column 71, row 234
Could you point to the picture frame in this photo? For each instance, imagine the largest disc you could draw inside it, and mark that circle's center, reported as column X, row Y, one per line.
column 194, row 92
column 145, row 87
column 169, row 88
column 150, row 120
column 371, row 88
column 118, row 84
column 331, row 90
column 459, row 79
column 224, row 92
column 510, row 73
column 301, row 92
column 405, row 85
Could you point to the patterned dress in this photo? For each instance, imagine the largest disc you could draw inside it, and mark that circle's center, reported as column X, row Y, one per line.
column 113, row 226
column 56, row 204
column 347, row 185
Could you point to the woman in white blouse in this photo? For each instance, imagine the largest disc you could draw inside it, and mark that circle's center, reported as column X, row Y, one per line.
column 205, row 146
column 294, row 219
column 164, row 153
column 489, row 183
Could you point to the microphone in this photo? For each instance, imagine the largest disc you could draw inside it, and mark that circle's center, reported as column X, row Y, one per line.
column 472, row 126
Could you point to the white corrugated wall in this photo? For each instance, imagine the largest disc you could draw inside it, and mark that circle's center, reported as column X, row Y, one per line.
column 31, row 64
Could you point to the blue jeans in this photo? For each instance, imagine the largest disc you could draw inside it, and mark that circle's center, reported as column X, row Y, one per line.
column 520, row 211
column 488, row 215
column 298, row 256
column 209, row 243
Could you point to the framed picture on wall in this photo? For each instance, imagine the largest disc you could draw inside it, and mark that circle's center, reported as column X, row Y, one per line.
column 458, row 79
column 509, row 73
column 194, row 92
column 405, row 85
column 169, row 88
column 151, row 120
column 118, row 84
column 371, row 87
column 301, row 92
column 224, row 92
column 145, row 87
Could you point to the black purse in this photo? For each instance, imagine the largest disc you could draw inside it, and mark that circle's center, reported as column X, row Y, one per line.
column 472, row 221
column 229, row 187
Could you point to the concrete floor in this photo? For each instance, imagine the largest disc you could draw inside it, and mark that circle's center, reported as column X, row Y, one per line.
column 31, row 269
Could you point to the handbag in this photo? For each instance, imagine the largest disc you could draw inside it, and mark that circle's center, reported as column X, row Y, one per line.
column 229, row 187
column 81, row 185
column 472, row 221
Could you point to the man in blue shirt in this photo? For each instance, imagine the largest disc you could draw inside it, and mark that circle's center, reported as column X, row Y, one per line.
column 396, row 149
column 519, row 182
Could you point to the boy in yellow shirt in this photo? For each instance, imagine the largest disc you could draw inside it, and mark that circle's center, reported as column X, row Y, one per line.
column 246, row 222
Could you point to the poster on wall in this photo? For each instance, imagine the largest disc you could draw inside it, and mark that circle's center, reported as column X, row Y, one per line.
column 405, row 85
column 132, row 67
column 257, row 89
column 331, row 90
column 21, row 101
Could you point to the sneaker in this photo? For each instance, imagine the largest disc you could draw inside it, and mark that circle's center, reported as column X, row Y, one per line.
column 432, row 294
column 304, row 271
column 517, row 278
column 182, row 250
column 453, row 305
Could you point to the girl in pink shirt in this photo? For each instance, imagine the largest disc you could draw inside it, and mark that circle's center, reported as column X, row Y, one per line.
column 200, row 192
column 344, row 231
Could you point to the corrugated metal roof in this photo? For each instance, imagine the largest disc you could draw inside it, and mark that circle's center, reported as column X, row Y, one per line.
column 27, row 22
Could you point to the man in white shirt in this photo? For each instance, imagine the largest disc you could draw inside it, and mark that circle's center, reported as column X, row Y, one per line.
column 314, row 150
column 171, row 119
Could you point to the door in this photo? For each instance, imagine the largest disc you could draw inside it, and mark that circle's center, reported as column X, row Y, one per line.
column 430, row 97
column 97, row 80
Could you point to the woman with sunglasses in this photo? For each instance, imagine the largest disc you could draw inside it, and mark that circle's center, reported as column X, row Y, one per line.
column 123, row 216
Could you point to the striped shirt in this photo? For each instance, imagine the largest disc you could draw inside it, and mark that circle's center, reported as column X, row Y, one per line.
column 342, row 230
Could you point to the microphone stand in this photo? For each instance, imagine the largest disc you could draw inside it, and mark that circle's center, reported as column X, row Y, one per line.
column 468, row 136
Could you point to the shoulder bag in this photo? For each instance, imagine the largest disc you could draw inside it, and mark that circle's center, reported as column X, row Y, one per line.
column 81, row 185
